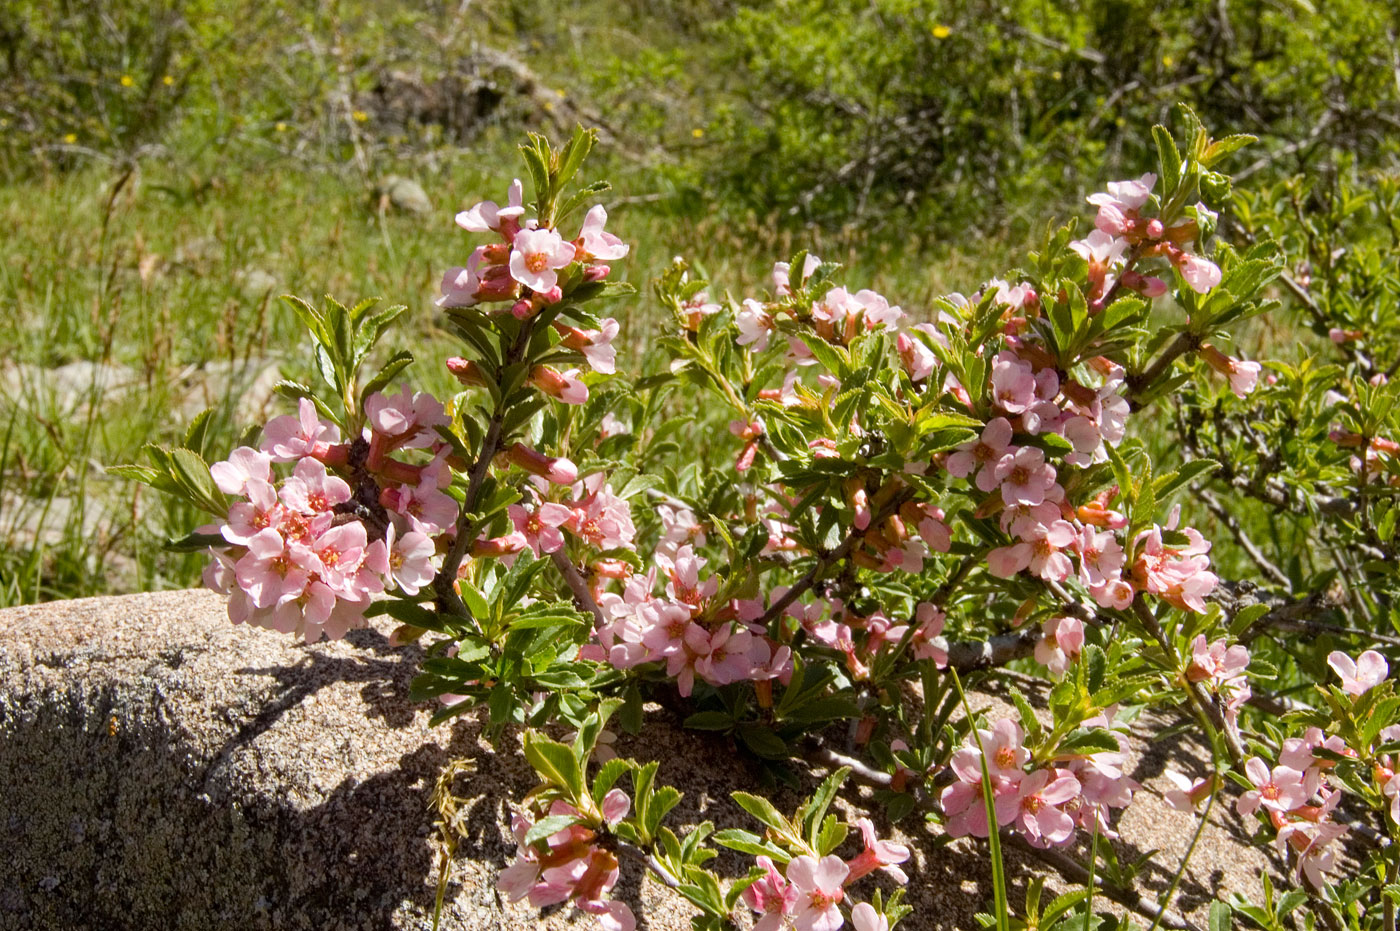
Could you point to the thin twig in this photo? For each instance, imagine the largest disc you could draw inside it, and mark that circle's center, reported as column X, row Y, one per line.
column 1277, row 575
column 574, row 579
column 826, row 560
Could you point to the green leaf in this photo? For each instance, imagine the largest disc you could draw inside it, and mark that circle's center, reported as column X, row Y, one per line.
column 555, row 763
column 397, row 363
column 1220, row 916
column 763, row 810
column 547, row 826
column 1168, row 160
column 192, row 472
column 746, row 842
column 815, row 809
column 1189, row 472
column 607, row 776
column 710, row 721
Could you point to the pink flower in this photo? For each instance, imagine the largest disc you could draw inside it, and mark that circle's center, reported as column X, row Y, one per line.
column 1103, row 252
column 1039, row 819
column 458, row 288
column 878, row 854
column 1187, row 795
column 1200, row 273
column 1061, row 643
column 600, row 517
column 771, row 896
column 1003, row 747
column 928, row 642
column 1013, row 383
column 1121, row 203
column 865, row 918
column 1281, row 789
column 1040, row 550
column 312, row 490
column 723, row 656
column 486, row 216
column 818, row 884
column 270, row 572
column 566, row 386
column 596, row 345
column 1178, row 575
column 243, row 463
column 536, row 257
column 288, row 438
column 1025, row 476
column 1100, row 556
column 1243, row 375
column 427, row 509
column 1312, row 843
column 559, row 470
column 982, row 455
column 918, row 360
column 246, row 518
column 1368, row 671
column 540, row 525
column 1298, row 752
column 406, row 420
column 755, row 325
column 410, row 560
column 596, row 244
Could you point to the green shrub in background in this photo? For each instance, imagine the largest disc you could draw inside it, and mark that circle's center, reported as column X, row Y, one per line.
column 979, row 112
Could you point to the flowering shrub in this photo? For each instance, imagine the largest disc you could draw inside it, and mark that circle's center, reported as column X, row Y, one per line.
column 903, row 498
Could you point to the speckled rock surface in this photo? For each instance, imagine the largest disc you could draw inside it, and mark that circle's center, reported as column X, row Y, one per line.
column 160, row 767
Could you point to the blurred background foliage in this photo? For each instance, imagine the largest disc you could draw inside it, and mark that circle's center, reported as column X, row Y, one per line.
column 169, row 167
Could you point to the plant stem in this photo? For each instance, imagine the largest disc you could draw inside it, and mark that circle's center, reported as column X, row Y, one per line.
column 1186, row 858
column 1003, row 914
column 444, row 583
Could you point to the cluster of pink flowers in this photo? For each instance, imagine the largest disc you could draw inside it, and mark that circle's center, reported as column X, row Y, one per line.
column 1045, row 804
column 683, row 626
column 862, row 637
column 569, row 866
column 523, row 267
column 593, row 515
column 838, row 316
column 1221, row 666
column 1050, row 534
column 1122, row 235
column 808, row 894
column 1299, row 795
column 307, row 551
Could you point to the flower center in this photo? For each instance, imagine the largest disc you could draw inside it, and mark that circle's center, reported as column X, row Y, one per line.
column 1032, row 803
column 1005, row 757
column 317, row 501
column 1019, row 475
column 983, row 453
column 1270, row 792
column 536, row 262
column 330, row 557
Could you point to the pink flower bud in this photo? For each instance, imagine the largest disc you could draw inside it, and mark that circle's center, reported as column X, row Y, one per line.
column 560, row 471
column 465, row 371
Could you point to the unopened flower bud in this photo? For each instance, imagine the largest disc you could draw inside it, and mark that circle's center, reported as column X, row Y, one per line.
column 560, row 471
